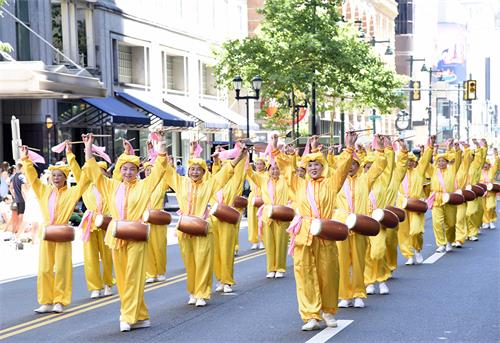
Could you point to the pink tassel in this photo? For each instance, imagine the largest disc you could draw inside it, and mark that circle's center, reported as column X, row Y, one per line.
column 153, row 136
column 307, row 148
column 197, row 151
column 99, row 151
column 152, row 155
column 59, row 147
column 130, row 147
column 35, row 158
column 395, row 146
column 231, row 153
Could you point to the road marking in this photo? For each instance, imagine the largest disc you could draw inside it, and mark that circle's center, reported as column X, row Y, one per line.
column 434, row 257
column 73, row 311
column 328, row 333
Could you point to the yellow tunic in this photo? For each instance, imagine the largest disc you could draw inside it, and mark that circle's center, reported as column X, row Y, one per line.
column 54, row 284
column 253, row 232
column 461, row 181
column 489, row 201
column 474, row 212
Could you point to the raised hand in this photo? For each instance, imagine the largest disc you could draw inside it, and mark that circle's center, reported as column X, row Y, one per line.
column 274, row 141
column 351, row 138
column 88, row 140
column 68, row 146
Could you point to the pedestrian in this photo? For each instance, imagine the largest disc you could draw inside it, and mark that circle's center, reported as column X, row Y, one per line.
column 18, row 188
column 180, row 168
column 4, row 179
column 127, row 199
column 253, row 232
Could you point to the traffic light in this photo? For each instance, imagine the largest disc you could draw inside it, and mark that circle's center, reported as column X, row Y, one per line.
column 466, row 95
column 471, row 89
column 415, row 92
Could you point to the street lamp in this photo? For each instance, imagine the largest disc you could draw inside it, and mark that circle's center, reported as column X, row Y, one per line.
column 361, row 33
column 256, row 86
column 295, row 114
column 429, row 108
column 388, row 51
column 410, row 107
column 49, row 123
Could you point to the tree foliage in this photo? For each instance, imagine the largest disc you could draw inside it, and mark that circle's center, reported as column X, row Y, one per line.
column 301, row 41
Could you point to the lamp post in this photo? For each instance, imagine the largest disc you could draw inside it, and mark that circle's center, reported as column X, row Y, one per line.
column 49, row 124
column 295, row 114
column 256, row 86
column 388, row 51
column 429, row 108
column 410, row 107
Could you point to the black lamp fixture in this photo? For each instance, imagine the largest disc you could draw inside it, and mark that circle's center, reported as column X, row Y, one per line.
column 388, row 51
column 256, row 86
column 361, row 33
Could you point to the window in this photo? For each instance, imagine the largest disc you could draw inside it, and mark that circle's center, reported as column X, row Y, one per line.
column 22, row 33
column 175, row 72
column 131, row 64
column 404, row 20
column 208, row 86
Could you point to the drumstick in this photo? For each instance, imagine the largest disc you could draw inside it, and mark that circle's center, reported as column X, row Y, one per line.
column 101, row 135
column 359, row 130
column 130, row 140
column 30, row 148
column 76, row 142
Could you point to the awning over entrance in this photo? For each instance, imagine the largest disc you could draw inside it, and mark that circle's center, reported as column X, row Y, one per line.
column 157, row 109
column 120, row 113
column 233, row 117
column 33, row 79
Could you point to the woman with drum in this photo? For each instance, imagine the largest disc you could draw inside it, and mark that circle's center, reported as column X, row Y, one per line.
column 127, row 236
column 274, row 217
column 196, row 241
column 353, row 198
column 315, row 258
column 94, row 224
column 57, row 202
column 254, row 199
column 488, row 174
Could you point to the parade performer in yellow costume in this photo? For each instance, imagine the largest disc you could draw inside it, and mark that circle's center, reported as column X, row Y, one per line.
column 225, row 234
column 353, row 198
column 94, row 248
column 315, row 259
column 127, row 200
column 253, row 232
column 156, row 262
column 194, row 193
column 460, row 183
column 275, row 191
column 474, row 213
column 488, row 174
column 57, row 203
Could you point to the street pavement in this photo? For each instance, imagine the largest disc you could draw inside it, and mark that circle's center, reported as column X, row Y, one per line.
column 454, row 299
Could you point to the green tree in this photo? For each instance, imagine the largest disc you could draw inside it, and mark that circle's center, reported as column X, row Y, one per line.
column 301, row 41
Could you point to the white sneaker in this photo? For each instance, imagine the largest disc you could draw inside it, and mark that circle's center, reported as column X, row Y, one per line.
column 485, row 226
column 418, row 257
column 255, row 246
column 492, row 226
column 311, row 325
column 383, row 289
column 458, row 245
column 44, row 309
column 124, row 326
column 236, row 251
column 279, row 275
column 58, row 308
column 479, row 230
column 141, row 324
column 410, row 261
column 150, row 280
column 330, row 320
column 270, row 275
column 344, row 303
column 200, row 302
column 441, row 249
column 192, row 300
column 370, row 289
column 161, row 277
column 95, row 294
column 219, row 287
column 108, row 290
column 448, row 247
column 261, row 245
column 359, row 303
column 473, row 238
column 227, row 289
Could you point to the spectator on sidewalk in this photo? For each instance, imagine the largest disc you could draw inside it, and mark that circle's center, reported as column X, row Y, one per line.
column 180, row 169
column 4, row 179
column 18, row 182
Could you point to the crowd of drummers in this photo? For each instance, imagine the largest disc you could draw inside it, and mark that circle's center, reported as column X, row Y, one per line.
column 340, row 214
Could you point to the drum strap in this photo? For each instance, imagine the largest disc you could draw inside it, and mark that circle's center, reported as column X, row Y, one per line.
column 373, row 200
column 406, row 185
column 271, row 188
column 486, row 177
column 52, row 205
column 86, row 223
column 432, row 197
column 120, row 200
column 348, row 195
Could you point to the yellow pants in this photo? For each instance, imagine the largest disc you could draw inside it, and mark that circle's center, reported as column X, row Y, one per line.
column 376, row 269
column 253, row 230
column 316, row 271
column 411, row 233
column 55, row 272
column 391, row 251
column 156, row 261
column 224, row 245
column 276, row 245
column 443, row 223
column 461, row 224
column 352, row 253
column 198, row 256
column 130, row 270
column 490, row 208
column 95, row 251
column 474, row 216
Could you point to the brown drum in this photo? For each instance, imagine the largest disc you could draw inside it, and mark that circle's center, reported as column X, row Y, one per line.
column 331, row 230
column 493, row 187
column 225, row 213
column 453, row 198
column 101, row 221
column 478, row 190
column 468, row 195
column 258, row 202
column 130, row 230
column 157, row 217
column 482, row 185
column 280, row 213
column 364, row 225
column 59, row 233
column 240, row 202
column 192, row 225
column 415, row 205
column 386, row 218
column 397, row 211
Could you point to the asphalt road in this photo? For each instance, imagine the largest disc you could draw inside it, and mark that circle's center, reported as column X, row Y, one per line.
column 455, row 299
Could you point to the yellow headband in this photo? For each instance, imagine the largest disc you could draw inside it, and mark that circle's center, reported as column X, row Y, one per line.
column 318, row 157
column 369, row 158
column 442, row 155
column 147, row 165
column 199, row 161
column 102, row 165
column 412, row 157
column 124, row 158
column 64, row 168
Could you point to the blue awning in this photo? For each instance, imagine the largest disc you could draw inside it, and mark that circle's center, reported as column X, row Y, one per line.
column 150, row 106
column 120, row 112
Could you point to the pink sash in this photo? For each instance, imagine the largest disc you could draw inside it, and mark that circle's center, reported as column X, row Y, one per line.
column 120, row 200
column 432, row 198
column 271, row 190
column 373, row 200
column 405, row 186
column 347, row 192
column 52, row 205
column 86, row 222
